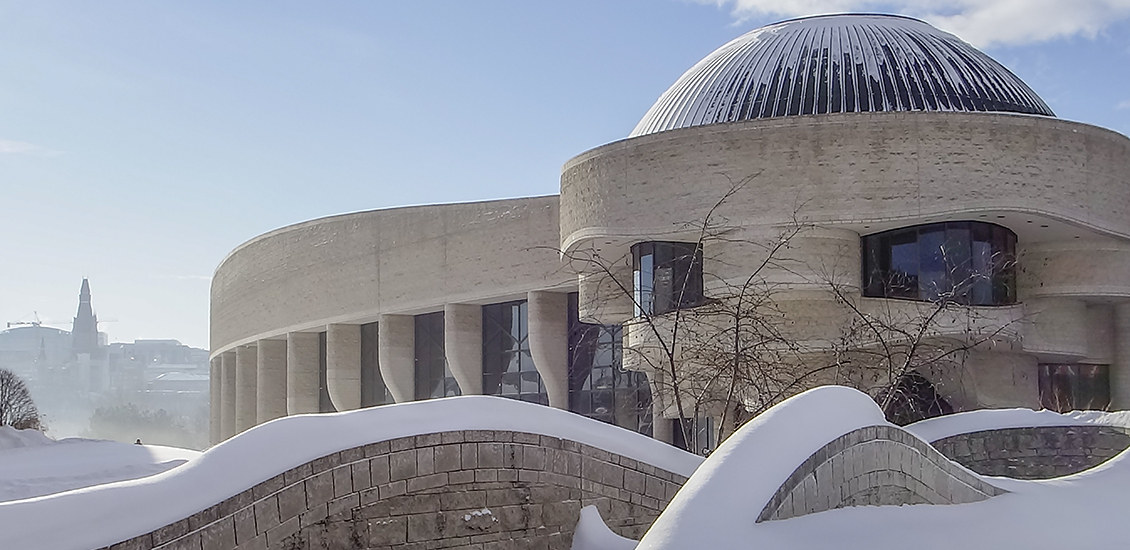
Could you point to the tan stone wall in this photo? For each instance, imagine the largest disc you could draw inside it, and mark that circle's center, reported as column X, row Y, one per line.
column 485, row 490
column 353, row 267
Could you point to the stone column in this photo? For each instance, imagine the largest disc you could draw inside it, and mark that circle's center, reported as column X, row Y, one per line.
column 549, row 343
column 302, row 357
column 343, row 366
column 1120, row 369
column 215, row 396
column 463, row 344
column 396, row 351
column 227, row 395
column 271, row 379
column 661, row 428
column 246, row 403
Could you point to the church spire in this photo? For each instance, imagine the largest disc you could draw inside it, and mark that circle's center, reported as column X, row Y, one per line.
column 84, row 330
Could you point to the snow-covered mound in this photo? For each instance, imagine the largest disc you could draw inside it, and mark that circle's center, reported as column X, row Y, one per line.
column 593, row 534
column 933, row 429
column 719, row 506
column 106, row 514
column 32, row 464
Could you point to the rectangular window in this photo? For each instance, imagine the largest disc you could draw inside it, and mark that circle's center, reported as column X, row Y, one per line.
column 667, row 276
column 433, row 376
column 508, row 367
column 1071, row 387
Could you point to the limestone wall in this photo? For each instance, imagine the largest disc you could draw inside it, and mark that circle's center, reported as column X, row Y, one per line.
column 1035, row 453
column 487, row 490
column 874, row 466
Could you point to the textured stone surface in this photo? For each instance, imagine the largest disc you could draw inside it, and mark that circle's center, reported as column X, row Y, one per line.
column 874, row 466
column 475, row 489
column 1035, row 453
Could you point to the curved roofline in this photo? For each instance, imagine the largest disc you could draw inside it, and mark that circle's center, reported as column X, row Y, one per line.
column 847, row 14
column 306, row 223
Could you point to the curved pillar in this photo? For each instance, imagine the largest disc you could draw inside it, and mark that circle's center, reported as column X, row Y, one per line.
column 396, row 351
column 302, row 378
column 270, row 393
column 463, row 345
column 246, row 403
column 343, row 366
column 1120, row 369
column 549, row 343
column 227, row 395
column 215, row 394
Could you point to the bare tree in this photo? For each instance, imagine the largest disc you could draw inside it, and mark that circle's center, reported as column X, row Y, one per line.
column 16, row 406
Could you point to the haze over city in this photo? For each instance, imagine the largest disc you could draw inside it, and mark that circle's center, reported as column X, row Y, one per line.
column 140, row 143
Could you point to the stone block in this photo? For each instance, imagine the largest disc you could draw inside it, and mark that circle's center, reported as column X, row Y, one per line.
column 460, row 477
column 291, row 501
column 362, row 475
column 203, row 517
column 447, row 438
column 315, row 514
column 447, row 458
column 144, row 542
column 342, row 480
column 190, row 541
column 376, row 449
column 257, row 543
column 402, row 444
column 424, row 527
column 459, row 500
column 282, row 531
column 298, row 473
column 270, row 486
column 491, row 455
column 402, row 465
column 469, row 456
column 350, row 456
column 387, row 532
column 325, row 463
column 342, row 508
column 423, row 483
column 379, row 473
column 221, row 535
column 319, row 489
column 245, row 529
column 170, row 532
column 395, row 488
column 425, row 461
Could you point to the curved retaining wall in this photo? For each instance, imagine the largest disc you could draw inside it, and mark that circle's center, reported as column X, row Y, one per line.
column 874, row 466
column 482, row 489
column 1035, row 453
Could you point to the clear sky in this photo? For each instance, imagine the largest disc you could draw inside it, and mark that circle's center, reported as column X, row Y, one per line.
column 141, row 141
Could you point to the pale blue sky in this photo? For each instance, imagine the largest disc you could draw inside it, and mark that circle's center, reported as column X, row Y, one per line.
column 142, row 141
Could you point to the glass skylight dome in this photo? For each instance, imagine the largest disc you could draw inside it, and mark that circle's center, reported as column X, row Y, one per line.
column 839, row 64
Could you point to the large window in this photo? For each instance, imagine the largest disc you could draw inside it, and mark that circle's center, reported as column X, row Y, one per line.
column 373, row 390
column 968, row 262
column 1074, row 387
column 599, row 387
column 508, row 368
column 433, row 376
column 667, row 276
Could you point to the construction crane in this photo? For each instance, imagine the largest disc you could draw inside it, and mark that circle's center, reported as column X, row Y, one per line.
column 35, row 323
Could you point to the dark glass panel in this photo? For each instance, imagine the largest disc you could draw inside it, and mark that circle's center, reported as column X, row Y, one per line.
column 969, row 262
column 433, row 376
column 1068, row 387
column 508, row 367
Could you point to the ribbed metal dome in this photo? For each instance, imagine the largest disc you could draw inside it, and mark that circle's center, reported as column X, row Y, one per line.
column 839, row 63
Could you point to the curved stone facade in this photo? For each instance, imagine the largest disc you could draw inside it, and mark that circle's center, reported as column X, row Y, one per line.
column 874, row 466
column 484, row 489
column 1059, row 188
column 1035, row 453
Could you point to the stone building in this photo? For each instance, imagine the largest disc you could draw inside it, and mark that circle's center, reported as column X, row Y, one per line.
column 908, row 154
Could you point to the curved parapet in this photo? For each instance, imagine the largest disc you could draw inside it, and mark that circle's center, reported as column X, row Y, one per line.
column 824, row 449
column 876, row 466
column 444, row 470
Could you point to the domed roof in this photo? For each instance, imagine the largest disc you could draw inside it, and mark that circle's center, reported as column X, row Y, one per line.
column 836, row 64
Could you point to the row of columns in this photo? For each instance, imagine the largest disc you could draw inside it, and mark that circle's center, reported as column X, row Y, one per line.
column 256, row 383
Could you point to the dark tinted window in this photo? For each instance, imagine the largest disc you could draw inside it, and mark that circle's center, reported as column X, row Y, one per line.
column 599, row 387
column 969, row 262
column 1074, row 387
column 433, row 377
column 667, row 276
column 508, row 368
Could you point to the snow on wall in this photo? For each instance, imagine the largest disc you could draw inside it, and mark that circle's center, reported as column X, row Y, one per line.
column 933, row 429
column 106, row 514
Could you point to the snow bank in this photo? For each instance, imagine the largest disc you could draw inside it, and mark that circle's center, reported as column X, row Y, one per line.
column 32, row 464
column 933, row 429
column 719, row 505
column 593, row 534
column 724, row 497
column 102, row 515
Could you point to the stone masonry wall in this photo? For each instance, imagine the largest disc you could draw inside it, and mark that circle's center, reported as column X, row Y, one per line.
column 1035, row 453
column 874, row 466
column 487, row 490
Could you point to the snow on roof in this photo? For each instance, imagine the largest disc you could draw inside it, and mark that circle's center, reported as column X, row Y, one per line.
column 941, row 427
column 106, row 514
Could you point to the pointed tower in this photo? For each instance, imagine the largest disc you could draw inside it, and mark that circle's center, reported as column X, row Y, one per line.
column 84, row 331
